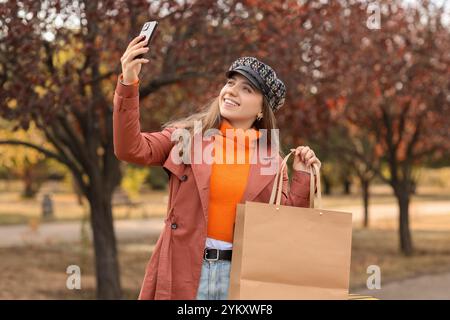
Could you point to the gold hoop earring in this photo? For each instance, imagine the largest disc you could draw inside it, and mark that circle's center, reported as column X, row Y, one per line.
column 259, row 117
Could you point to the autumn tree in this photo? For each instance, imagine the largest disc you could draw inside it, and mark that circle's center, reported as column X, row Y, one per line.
column 26, row 164
column 59, row 62
column 394, row 88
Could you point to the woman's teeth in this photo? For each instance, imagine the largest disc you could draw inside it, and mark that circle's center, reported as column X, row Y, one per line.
column 228, row 101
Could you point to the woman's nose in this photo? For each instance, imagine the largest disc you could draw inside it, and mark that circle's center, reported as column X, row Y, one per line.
column 231, row 91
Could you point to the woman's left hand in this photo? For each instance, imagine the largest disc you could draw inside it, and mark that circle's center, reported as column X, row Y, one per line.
column 304, row 157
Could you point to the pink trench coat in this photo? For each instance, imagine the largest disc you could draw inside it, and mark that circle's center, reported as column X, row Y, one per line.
column 173, row 271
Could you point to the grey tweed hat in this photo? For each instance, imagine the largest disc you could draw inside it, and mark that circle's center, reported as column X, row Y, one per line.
column 263, row 77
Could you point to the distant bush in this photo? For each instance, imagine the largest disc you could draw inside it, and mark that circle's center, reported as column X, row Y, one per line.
column 435, row 177
column 133, row 179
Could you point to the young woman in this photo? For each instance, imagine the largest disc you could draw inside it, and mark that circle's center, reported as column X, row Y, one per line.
column 192, row 257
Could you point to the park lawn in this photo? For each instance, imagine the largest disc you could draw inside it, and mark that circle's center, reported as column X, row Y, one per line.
column 14, row 210
column 39, row 272
column 150, row 203
column 383, row 194
column 379, row 245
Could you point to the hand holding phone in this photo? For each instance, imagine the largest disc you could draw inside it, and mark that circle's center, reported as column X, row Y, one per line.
column 148, row 30
column 132, row 59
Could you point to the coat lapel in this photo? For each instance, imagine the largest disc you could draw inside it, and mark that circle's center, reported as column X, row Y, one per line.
column 202, row 174
column 201, row 171
column 257, row 181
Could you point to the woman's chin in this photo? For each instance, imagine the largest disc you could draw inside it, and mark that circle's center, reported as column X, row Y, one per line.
column 229, row 115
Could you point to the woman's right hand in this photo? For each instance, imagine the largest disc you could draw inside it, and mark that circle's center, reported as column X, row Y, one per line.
column 130, row 67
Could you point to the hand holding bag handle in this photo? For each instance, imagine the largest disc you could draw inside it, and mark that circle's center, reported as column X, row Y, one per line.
column 275, row 197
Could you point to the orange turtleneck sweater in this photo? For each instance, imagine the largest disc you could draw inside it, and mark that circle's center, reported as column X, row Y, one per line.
column 229, row 173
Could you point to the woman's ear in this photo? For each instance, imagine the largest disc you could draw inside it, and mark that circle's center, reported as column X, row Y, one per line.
column 259, row 116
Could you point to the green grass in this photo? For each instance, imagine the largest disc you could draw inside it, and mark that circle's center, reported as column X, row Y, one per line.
column 13, row 218
column 14, row 210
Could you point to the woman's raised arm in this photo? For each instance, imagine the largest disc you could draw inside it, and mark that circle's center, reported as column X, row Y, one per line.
column 130, row 144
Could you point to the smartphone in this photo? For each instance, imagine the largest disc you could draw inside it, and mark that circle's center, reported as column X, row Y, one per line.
column 148, row 30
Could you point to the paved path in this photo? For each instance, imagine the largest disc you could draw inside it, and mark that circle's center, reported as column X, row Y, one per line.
column 424, row 287
column 390, row 210
column 128, row 229
column 45, row 233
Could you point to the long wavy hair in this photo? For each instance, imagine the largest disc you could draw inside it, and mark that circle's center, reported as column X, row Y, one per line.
column 210, row 118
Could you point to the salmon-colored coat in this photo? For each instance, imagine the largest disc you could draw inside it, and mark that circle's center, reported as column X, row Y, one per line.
column 173, row 271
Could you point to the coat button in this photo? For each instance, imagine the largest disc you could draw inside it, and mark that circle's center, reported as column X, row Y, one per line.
column 174, row 226
column 183, row 177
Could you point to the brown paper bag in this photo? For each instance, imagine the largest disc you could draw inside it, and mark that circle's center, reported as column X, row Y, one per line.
column 284, row 252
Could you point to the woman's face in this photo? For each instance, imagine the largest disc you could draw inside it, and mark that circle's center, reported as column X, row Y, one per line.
column 248, row 101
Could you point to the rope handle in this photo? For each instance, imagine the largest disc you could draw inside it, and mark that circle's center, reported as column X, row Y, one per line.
column 275, row 197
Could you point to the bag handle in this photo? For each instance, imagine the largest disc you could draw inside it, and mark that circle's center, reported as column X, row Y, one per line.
column 275, row 197
column 276, row 184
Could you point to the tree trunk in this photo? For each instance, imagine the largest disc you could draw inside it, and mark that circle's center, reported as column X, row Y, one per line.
column 327, row 185
column 347, row 185
column 365, row 192
column 106, row 259
column 28, row 191
column 406, row 245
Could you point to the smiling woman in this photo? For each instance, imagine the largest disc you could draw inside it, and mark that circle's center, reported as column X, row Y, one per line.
column 240, row 102
column 192, row 257
column 247, row 106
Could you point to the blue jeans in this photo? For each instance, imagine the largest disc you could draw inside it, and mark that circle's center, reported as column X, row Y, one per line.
column 214, row 280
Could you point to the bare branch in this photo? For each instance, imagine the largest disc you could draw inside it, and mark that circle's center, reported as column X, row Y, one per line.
column 44, row 151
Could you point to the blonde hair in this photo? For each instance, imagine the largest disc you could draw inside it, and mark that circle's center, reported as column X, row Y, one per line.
column 210, row 119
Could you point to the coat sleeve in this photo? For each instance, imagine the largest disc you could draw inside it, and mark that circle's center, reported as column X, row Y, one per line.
column 297, row 193
column 130, row 144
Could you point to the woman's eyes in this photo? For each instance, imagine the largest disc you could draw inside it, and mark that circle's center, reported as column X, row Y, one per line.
column 230, row 82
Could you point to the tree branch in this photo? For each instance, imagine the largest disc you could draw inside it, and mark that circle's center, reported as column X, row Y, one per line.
column 401, row 126
column 166, row 80
column 44, row 151
column 49, row 58
column 77, row 174
column 73, row 143
column 72, row 163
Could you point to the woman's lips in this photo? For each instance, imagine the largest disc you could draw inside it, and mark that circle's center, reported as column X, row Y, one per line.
column 230, row 105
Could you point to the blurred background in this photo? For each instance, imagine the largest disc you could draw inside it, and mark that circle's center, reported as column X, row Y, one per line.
column 368, row 89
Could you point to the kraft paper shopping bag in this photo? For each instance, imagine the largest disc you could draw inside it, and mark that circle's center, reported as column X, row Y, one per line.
column 285, row 252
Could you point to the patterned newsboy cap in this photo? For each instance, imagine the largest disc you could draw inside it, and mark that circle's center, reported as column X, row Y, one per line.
column 263, row 77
